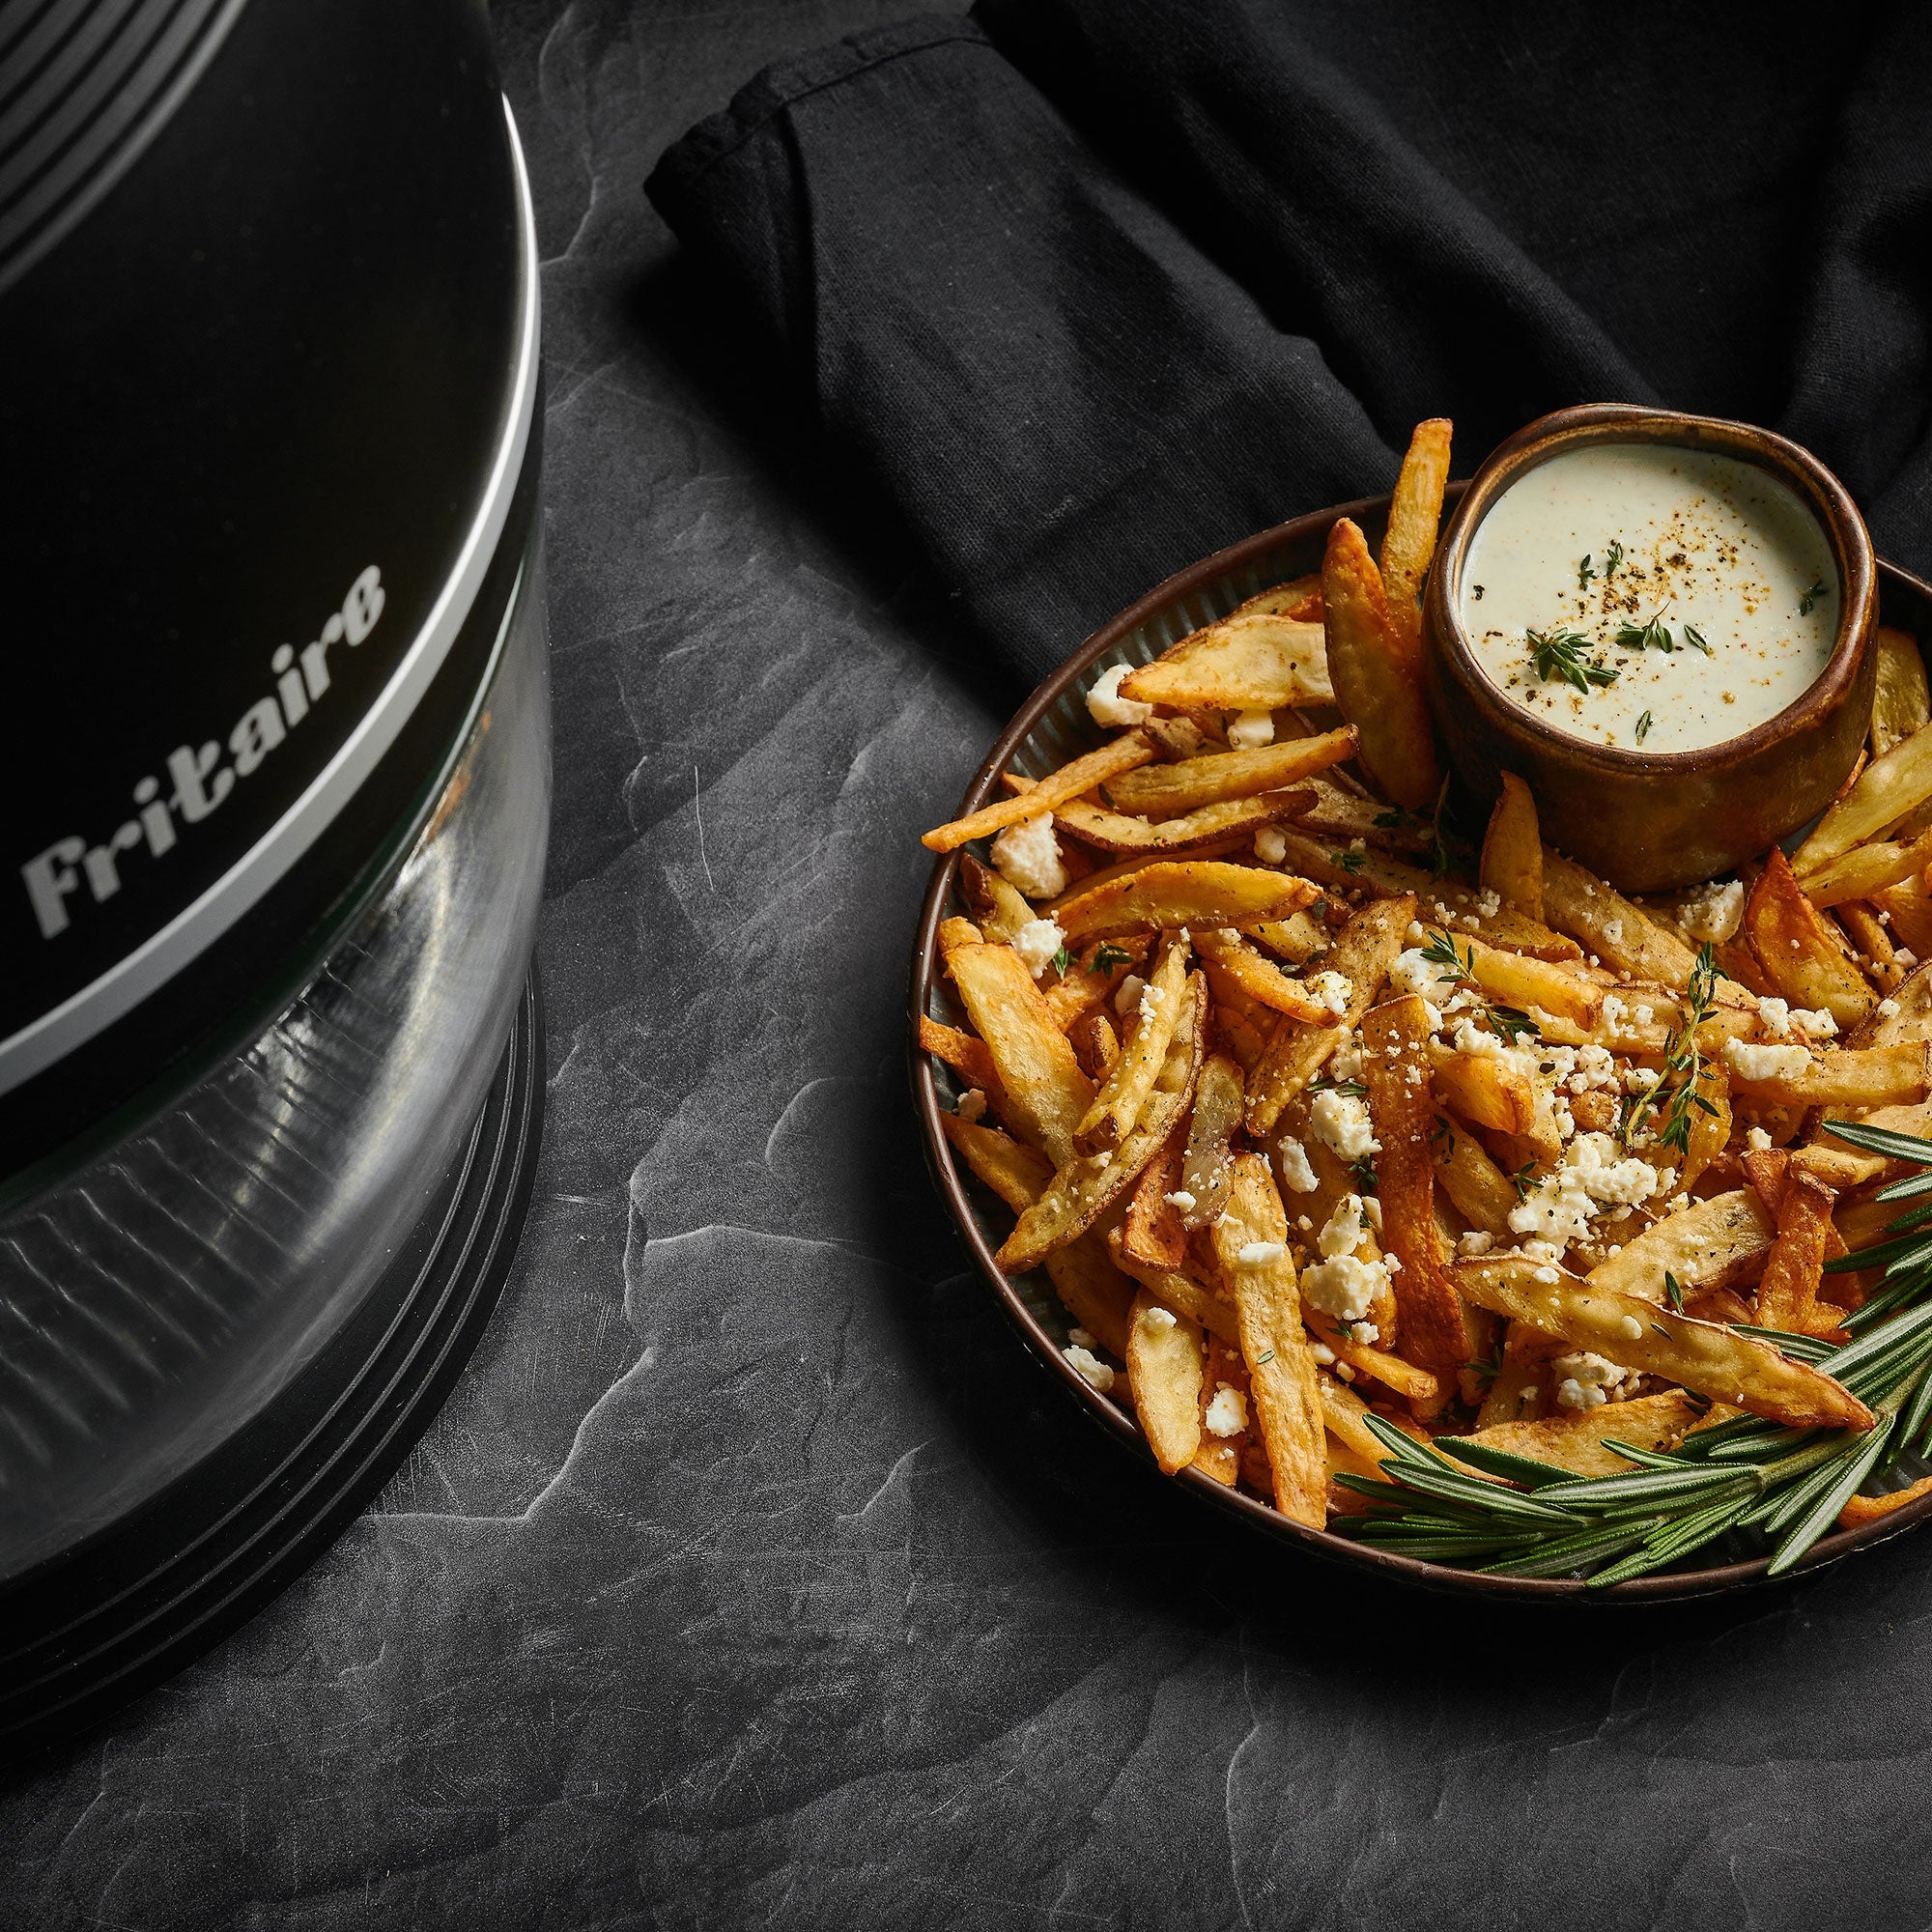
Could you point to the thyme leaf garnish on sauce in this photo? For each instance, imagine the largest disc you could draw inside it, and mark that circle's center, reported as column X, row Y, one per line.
column 1559, row 653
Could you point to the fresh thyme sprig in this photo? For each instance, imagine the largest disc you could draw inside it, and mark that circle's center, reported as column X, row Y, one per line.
column 1511, row 1023
column 1652, row 634
column 1063, row 961
column 1694, row 637
column 1682, row 1057
column 1613, row 558
column 1643, row 727
column 1108, row 956
column 1559, row 653
column 1808, row 602
column 1585, row 576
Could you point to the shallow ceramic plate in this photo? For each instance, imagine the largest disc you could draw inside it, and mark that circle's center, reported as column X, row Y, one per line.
column 1052, row 726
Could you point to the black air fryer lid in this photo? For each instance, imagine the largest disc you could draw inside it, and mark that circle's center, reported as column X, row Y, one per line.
column 267, row 312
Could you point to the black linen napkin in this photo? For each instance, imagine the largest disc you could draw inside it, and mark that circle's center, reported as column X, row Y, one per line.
column 1097, row 286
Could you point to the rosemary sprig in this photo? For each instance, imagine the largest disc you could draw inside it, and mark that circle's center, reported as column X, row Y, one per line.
column 1559, row 653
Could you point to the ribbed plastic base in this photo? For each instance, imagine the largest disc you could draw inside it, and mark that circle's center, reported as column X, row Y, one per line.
column 114, row 1616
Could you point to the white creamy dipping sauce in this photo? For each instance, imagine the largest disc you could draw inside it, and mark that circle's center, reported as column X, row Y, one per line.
column 1650, row 597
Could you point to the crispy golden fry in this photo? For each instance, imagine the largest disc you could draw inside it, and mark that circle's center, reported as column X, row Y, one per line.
column 1394, row 1036
column 1281, row 1364
column 1866, row 870
column 1249, row 662
column 1166, row 791
column 1300, row 598
column 1223, row 1457
column 1297, row 939
column 1092, row 1291
column 1245, row 1041
column 1150, row 1230
column 1212, row 825
column 1907, row 910
column 1517, row 979
column 1862, row 1510
column 1376, row 676
column 1338, row 814
column 1015, row 1173
column 1872, row 1076
column 1119, row 754
column 1485, row 1088
column 1085, row 1185
column 1207, row 1169
column 1577, row 1440
column 1165, row 1357
column 1195, row 893
column 953, row 933
column 1483, row 1193
column 1713, row 1243
column 1044, row 1090
column 1260, row 980
column 1523, row 1390
column 1111, row 1115
column 1000, row 907
column 1899, row 701
column 1802, row 956
column 1631, row 1332
column 1085, row 987
column 1888, row 788
column 1095, row 1045
column 1791, row 1272
column 1341, row 1414
column 1179, row 1290
column 967, row 1055
column 1619, row 933
column 1426, row 1392
column 1409, row 546
column 1871, row 943
column 1512, row 861
column 1710, row 1133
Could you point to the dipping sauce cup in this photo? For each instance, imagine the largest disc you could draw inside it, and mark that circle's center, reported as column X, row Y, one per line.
column 1667, row 635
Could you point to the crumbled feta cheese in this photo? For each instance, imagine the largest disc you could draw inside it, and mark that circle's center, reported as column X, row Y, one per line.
column 1777, row 1018
column 1373, row 1208
column 1260, row 1254
column 1904, row 959
column 1414, row 974
column 1342, row 1233
column 1090, row 1368
column 1766, row 1062
column 1106, row 706
column 1180, row 1198
column 1344, row 1373
column 1027, row 856
column 1758, row 1141
column 1643, row 1015
column 1887, row 1010
column 1228, row 1413
column 1271, row 845
column 1345, row 1062
column 1333, row 990
column 1128, row 995
column 1613, row 931
column 1474, row 1242
column 1630, row 1328
column 1080, row 1339
column 1343, row 1286
column 1591, row 1181
column 1489, row 902
column 1156, row 1320
column 1587, row 1380
column 1293, row 1164
column 1713, row 913
column 1547, row 1274
column 1341, row 1122
column 1250, row 730
column 1036, row 942
column 1321, row 1353
column 1150, row 1004
column 971, row 1104
column 1302, row 1222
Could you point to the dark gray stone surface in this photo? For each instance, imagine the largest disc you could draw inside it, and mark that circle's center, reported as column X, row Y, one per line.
column 753, row 1575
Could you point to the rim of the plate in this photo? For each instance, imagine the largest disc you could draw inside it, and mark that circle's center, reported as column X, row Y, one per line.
column 1118, row 1422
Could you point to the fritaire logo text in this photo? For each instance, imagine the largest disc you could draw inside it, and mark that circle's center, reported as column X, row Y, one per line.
column 199, row 780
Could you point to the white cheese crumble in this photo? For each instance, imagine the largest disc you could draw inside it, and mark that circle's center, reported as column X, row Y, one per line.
column 1758, row 1141
column 1331, row 990
column 1271, row 845
column 1713, row 913
column 1156, row 1320
column 1080, row 1339
column 1591, row 1181
column 1766, row 1062
column 1150, row 1005
column 1090, row 1368
column 1588, row 1382
column 1323, row 1353
column 1783, row 1021
column 1474, row 1242
column 1343, row 1286
column 1887, row 1010
column 1341, row 1122
column 1630, row 1328
column 1128, row 995
column 1180, row 1198
column 1260, row 1254
column 1292, row 1160
column 1106, row 706
column 1345, row 1062
column 969, row 1105
column 1250, row 730
column 1342, row 1233
column 1027, row 856
column 1036, row 942
column 1373, row 1208
column 1415, row 974
column 1228, row 1413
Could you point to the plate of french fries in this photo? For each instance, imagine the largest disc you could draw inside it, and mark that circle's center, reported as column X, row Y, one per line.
column 1381, row 1174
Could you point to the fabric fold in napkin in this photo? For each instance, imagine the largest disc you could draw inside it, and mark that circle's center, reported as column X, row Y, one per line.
column 1095, row 286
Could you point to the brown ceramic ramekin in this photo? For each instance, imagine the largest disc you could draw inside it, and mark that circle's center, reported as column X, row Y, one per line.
column 1647, row 821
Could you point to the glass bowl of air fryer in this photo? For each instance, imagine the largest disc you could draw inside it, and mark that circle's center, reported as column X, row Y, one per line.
column 155, row 1302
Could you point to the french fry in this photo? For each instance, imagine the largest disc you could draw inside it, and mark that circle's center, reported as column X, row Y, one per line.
column 1085, row 1185
column 1872, row 1076
column 953, row 933
column 1711, row 1243
column 968, row 1056
column 1619, row 933
column 1709, row 1124
column 1167, row 791
column 1223, row 1457
column 1165, row 1357
column 1871, row 943
column 1015, row 1173
column 1341, row 1414
column 1177, row 1290
column 1252, row 661
column 1376, row 677
column 1802, row 956
column 1394, row 1036
column 1044, row 1090
column 1408, row 544
column 1484, row 1089
column 1512, row 861
column 1281, row 1364
column 1889, row 787
column 999, row 906
column 1150, row 1230
column 1426, row 1392
column 1297, row 598
column 1521, row 1390
column 1363, row 951
column 1342, row 815
column 1862, row 1510
column 1092, row 1291
column 1260, row 980
column 1298, row 938
column 1900, row 700
column 1521, row 981
column 1095, row 1045
column 1631, row 1332
column 1483, row 1193
column 1578, row 1441
column 1086, row 986
column 1211, row 825
column 1111, row 1115
column 1791, row 1272
column 1119, row 754
column 1866, row 870
column 1207, row 1169
column 1183, row 891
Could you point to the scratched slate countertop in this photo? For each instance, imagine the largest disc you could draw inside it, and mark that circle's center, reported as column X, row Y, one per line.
column 752, row 1574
